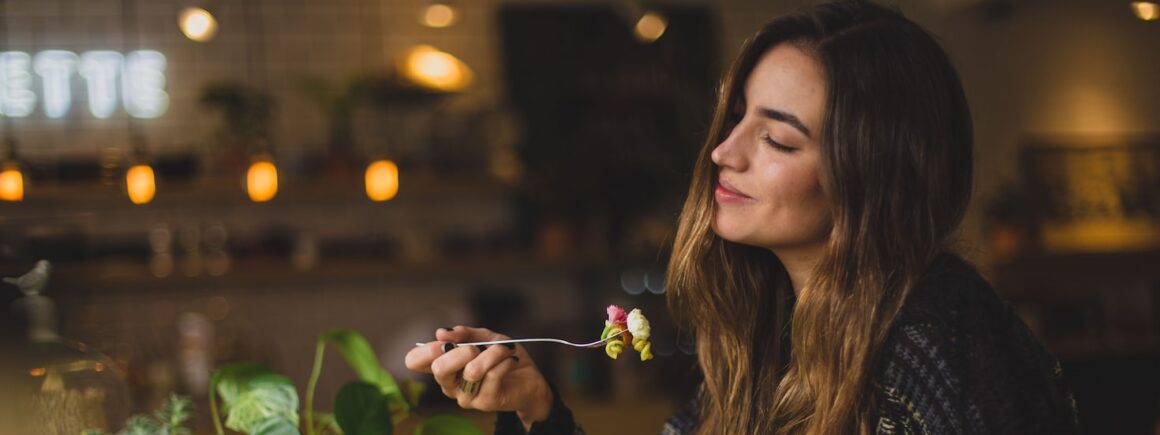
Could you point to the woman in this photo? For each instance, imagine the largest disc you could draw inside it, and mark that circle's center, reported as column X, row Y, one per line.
column 812, row 257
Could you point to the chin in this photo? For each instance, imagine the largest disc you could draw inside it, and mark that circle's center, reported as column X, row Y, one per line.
column 732, row 236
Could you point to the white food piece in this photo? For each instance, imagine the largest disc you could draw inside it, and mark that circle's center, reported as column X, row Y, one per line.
column 638, row 325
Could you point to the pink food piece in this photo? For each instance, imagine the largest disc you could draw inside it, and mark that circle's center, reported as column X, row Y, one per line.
column 617, row 315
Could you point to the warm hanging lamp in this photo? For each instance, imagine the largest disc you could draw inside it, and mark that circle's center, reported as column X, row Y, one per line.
column 436, row 70
column 262, row 179
column 1146, row 10
column 140, row 183
column 262, row 176
column 382, row 180
column 11, row 177
column 11, row 181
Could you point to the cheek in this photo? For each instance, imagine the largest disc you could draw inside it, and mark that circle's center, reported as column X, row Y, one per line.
column 809, row 188
column 798, row 194
column 818, row 207
column 815, row 208
column 788, row 185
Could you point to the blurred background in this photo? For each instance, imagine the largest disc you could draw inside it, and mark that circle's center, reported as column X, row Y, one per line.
column 218, row 181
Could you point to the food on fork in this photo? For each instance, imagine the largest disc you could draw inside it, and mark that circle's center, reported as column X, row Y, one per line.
column 638, row 326
column 635, row 328
column 617, row 322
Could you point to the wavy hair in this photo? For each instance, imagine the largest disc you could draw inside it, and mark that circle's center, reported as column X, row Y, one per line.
column 896, row 169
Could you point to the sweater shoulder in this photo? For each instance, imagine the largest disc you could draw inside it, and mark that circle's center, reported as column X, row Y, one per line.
column 958, row 360
column 950, row 289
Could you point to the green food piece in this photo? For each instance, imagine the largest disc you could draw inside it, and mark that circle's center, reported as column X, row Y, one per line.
column 607, row 330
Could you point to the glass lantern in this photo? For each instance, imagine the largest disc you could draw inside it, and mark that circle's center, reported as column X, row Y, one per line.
column 51, row 385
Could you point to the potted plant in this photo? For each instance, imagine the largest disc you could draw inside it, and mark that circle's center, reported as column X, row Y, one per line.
column 257, row 401
column 245, row 120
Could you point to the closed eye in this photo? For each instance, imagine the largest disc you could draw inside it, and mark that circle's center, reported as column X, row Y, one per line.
column 777, row 145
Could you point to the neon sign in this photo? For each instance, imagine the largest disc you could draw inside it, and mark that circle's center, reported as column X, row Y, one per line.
column 99, row 69
column 141, row 74
column 16, row 97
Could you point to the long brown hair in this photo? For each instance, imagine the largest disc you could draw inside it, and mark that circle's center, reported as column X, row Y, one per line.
column 896, row 167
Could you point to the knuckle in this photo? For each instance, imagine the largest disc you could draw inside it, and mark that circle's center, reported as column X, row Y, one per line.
column 498, row 336
column 486, row 404
column 449, row 392
column 438, row 367
column 473, row 371
column 492, row 375
column 464, row 402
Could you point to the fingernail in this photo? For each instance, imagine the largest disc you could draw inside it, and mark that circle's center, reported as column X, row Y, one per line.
column 448, row 346
column 481, row 347
column 510, row 346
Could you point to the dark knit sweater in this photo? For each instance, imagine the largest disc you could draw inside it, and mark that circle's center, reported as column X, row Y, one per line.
column 957, row 361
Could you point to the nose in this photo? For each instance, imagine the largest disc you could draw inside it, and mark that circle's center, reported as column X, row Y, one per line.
column 729, row 153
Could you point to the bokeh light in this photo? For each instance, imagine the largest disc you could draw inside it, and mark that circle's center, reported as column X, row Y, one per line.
column 197, row 24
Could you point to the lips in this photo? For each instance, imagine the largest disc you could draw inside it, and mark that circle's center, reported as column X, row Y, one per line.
column 727, row 193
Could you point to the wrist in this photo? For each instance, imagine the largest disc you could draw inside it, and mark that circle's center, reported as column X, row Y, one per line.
column 539, row 408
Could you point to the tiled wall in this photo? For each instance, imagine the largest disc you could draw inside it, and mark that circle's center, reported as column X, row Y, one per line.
column 329, row 39
column 333, row 40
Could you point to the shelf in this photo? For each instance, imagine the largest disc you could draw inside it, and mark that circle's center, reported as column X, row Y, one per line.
column 124, row 277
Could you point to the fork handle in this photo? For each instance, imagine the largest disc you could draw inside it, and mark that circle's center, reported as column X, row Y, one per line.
column 532, row 340
column 488, row 343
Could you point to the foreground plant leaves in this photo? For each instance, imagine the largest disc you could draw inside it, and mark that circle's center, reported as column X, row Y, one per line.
column 361, row 409
column 255, row 399
column 445, row 424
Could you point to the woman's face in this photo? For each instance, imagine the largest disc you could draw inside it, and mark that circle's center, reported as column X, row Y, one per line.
column 768, row 193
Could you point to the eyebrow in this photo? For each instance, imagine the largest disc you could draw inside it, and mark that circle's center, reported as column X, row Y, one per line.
column 785, row 117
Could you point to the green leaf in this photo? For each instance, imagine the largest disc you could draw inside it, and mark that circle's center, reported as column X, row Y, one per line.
column 141, row 424
column 325, row 423
column 273, row 426
column 252, row 394
column 270, row 385
column 358, row 353
column 229, row 379
column 398, row 407
column 261, row 401
column 174, row 412
column 361, row 409
column 414, row 391
column 445, row 424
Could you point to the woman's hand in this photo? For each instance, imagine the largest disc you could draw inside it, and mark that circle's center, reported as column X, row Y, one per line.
column 498, row 378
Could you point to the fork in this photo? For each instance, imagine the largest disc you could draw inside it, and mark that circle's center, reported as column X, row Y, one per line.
column 591, row 345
